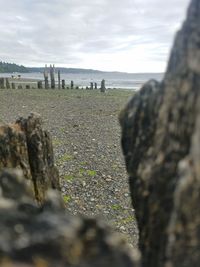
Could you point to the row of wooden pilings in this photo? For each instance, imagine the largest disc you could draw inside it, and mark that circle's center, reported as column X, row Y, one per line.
column 23, row 83
column 19, row 83
column 61, row 83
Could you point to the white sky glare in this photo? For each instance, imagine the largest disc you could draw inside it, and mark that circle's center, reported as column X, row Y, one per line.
column 109, row 35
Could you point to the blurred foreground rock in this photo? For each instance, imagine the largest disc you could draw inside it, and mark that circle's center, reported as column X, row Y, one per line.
column 161, row 144
column 45, row 236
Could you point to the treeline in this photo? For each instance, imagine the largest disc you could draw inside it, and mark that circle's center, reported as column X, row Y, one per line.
column 11, row 67
column 6, row 67
column 65, row 70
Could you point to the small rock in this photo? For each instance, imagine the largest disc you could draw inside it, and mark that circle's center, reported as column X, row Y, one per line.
column 106, row 212
column 122, row 228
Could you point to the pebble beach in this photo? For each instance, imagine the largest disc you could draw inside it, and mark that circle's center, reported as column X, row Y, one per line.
column 86, row 139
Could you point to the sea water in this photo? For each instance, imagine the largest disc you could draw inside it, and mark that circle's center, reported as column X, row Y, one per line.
column 113, row 80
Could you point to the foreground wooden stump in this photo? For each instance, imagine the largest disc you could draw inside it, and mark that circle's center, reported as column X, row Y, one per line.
column 26, row 146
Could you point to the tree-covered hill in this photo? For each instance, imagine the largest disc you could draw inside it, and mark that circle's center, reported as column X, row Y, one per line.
column 11, row 67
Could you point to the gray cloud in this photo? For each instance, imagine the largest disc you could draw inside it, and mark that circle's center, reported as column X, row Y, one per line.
column 78, row 33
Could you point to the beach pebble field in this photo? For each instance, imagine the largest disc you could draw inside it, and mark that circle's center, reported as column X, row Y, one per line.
column 86, row 139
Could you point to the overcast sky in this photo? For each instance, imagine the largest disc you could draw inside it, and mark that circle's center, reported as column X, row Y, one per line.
column 121, row 35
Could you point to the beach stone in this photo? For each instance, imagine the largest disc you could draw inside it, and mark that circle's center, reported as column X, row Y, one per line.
column 161, row 144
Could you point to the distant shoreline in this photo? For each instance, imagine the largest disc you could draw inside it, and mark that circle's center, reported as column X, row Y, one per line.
column 14, row 68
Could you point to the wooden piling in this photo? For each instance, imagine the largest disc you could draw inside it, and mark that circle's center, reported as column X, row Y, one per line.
column 7, row 84
column 103, row 87
column 46, row 82
column 58, row 79
column 39, row 84
column 63, row 84
column 52, row 76
column 72, row 85
column 2, row 83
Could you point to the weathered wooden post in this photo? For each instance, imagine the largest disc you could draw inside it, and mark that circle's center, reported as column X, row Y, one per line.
column 29, row 148
column 95, row 85
column 91, row 86
column 39, row 84
column 7, row 84
column 2, row 83
column 103, row 87
column 72, row 85
column 52, row 76
column 46, row 82
column 13, row 86
column 58, row 79
column 63, row 84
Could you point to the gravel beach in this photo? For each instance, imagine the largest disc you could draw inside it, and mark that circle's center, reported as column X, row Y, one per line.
column 86, row 139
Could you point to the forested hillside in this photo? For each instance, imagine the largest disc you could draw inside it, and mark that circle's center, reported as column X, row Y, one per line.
column 11, row 67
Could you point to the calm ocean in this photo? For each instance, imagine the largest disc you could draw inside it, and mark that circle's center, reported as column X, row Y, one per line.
column 113, row 80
